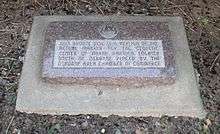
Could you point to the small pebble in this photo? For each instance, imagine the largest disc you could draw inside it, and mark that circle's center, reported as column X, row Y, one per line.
column 88, row 117
column 208, row 122
column 138, row 131
column 88, row 7
column 85, row 124
column 16, row 131
column 21, row 58
column 103, row 131
column 3, row 72
column 73, row 124
column 25, row 36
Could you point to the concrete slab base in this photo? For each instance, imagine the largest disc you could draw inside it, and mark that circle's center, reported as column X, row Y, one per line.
column 37, row 96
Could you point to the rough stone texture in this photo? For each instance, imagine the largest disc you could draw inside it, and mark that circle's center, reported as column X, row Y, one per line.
column 179, row 99
column 127, row 30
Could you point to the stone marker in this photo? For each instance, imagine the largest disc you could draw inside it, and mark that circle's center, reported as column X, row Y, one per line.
column 125, row 53
column 73, row 64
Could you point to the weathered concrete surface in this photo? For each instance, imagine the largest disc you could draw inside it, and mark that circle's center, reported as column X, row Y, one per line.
column 179, row 99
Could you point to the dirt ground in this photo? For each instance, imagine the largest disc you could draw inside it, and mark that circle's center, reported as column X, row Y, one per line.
column 202, row 22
